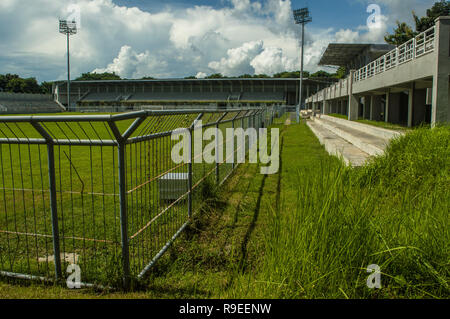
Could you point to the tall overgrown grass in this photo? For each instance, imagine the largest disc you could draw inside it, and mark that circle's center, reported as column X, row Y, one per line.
column 394, row 212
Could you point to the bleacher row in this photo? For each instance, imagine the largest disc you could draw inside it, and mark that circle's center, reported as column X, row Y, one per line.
column 11, row 103
column 186, row 96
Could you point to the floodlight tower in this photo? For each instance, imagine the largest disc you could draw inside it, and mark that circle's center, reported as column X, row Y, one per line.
column 301, row 16
column 68, row 28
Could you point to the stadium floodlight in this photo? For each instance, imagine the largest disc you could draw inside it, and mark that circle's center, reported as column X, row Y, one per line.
column 68, row 28
column 301, row 16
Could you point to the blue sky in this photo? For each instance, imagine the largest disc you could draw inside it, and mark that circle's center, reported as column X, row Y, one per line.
column 174, row 38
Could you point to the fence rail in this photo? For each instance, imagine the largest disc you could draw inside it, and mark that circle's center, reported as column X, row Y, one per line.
column 413, row 49
column 417, row 47
column 101, row 191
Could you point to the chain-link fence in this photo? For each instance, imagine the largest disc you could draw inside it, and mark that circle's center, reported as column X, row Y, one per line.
column 102, row 191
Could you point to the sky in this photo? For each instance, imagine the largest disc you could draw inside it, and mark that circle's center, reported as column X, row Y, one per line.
column 175, row 38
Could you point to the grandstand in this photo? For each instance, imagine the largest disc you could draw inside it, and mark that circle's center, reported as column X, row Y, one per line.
column 122, row 95
column 19, row 103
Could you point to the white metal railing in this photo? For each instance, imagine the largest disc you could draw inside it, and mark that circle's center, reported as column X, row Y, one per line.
column 420, row 45
column 413, row 49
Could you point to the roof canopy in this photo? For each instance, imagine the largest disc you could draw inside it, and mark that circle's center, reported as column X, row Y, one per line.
column 342, row 54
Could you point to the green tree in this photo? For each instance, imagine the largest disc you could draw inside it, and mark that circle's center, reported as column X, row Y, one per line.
column 98, row 76
column 441, row 8
column 261, row 76
column 340, row 73
column 15, row 85
column 321, row 74
column 291, row 75
column 215, row 76
column 46, row 87
column 31, row 86
column 402, row 34
column 4, row 79
column 245, row 76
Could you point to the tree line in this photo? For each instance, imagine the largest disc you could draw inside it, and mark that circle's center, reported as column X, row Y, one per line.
column 404, row 32
column 13, row 83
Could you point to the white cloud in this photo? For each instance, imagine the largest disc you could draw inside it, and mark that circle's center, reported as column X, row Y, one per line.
column 238, row 60
column 248, row 36
column 271, row 61
column 201, row 75
column 130, row 64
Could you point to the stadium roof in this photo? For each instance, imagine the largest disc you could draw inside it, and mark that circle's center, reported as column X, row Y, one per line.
column 342, row 54
column 200, row 80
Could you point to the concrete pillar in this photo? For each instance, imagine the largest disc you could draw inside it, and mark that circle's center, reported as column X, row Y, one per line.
column 410, row 105
column 440, row 107
column 375, row 108
column 367, row 107
column 393, row 112
column 386, row 107
column 327, row 107
column 353, row 101
column 419, row 107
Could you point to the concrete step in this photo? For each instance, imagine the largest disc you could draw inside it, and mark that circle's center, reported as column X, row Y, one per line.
column 369, row 129
column 335, row 145
column 368, row 143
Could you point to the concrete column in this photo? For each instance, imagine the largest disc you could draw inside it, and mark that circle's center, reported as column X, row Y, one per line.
column 394, row 108
column 367, row 106
column 419, row 107
column 353, row 101
column 411, row 104
column 375, row 108
column 440, row 107
column 386, row 108
column 327, row 107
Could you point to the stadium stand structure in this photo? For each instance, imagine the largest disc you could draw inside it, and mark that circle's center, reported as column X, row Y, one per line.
column 20, row 103
column 123, row 95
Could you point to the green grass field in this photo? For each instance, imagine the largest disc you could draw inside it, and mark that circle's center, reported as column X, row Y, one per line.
column 311, row 230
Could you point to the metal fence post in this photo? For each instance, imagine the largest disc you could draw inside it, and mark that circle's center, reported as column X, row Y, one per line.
column 54, row 208
column 191, row 151
column 217, row 148
column 217, row 154
column 123, row 215
column 232, row 125
column 53, row 199
column 191, row 163
column 121, row 147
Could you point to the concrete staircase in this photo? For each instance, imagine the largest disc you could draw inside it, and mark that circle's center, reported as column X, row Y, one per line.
column 354, row 142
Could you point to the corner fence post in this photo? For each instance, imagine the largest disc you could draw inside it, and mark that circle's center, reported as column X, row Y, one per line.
column 121, row 150
column 54, row 208
column 53, row 199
